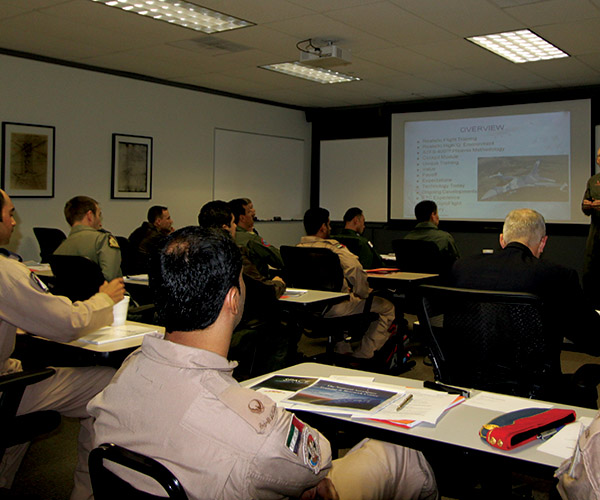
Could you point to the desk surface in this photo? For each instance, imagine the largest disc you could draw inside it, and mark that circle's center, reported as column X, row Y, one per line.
column 401, row 276
column 459, row 426
column 117, row 345
column 307, row 297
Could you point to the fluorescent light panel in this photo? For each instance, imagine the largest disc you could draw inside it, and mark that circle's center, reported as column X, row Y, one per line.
column 318, row 75
column 519, row 46
column 185, row 14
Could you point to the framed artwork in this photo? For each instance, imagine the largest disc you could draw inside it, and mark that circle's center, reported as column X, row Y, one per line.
column 27, row 160
column 131, row 167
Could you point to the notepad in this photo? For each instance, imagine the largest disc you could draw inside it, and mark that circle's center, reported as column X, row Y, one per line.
column 138, row 277
column 115, row 333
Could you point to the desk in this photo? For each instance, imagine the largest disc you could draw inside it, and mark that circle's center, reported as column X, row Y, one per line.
column 39, row 352
column 404, row 285
column 459, row 427
column 117, row 345
column 313, row 297
column 399, row 278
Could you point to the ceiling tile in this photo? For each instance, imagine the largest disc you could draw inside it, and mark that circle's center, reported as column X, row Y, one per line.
column 575, row 38
column 401, row 49
column 391, row 23
column 553, row 12
column 404, row 60
column 461, row 17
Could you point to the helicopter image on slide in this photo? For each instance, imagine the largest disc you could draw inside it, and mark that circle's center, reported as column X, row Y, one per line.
column 500, row 186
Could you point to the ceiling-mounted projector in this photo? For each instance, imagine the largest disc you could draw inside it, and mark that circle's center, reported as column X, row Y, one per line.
column 326, row 57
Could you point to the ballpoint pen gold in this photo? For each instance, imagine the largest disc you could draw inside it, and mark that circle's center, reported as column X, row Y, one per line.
column 405, row 401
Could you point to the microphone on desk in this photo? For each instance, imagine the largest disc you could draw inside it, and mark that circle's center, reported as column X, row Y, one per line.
column 436, row 386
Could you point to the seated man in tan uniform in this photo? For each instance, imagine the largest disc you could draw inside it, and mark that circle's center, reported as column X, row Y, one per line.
column 88, row 239
column 176, row 401
column 26, row 303
column 318, row 230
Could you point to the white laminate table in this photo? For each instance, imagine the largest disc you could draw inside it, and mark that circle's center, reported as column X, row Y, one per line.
column 311, row 297
column 400, row 277
column 120, row 343
column 458, row 427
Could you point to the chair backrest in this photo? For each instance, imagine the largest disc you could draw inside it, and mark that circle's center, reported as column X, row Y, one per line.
column 108, row 486
column 418, row 256
column 77, row 277
column 313, row 268
column 126, row 257
column 23, row 428
column 48, row 238
column 351, row 243
column 487, row 339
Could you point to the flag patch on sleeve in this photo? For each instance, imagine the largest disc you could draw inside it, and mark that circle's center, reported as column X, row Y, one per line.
column 294, row 437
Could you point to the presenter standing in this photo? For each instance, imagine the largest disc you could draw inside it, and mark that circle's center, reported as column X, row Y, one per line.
column 591, row 262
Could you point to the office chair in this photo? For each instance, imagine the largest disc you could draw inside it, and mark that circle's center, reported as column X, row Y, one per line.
column 107, row 485
column 23, row 428
column 77, row 277
column 349, row 242
column 352, row 244
column 127, row 264
column 487, row 340
column 260, row 338
column 320, row 269
column 419, row 256
column 49, row 239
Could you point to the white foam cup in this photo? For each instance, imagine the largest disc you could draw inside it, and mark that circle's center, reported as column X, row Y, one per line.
column 120, row 311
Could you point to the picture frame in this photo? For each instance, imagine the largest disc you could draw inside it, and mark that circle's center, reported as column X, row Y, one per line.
column 28, row 160
column 131, row 167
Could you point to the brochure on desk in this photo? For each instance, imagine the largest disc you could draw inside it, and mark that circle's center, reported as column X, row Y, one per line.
column 365, row 400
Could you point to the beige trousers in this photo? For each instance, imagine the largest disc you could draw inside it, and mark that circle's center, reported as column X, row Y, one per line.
column 378, row 333
column 68, row 392
column 375, row 470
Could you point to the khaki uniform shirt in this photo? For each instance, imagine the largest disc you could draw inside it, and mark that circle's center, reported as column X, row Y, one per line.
column 260, row 252
column 578, row 475
column 181, row 406
column 25, row 303
column 99, row 246
column 355, row 277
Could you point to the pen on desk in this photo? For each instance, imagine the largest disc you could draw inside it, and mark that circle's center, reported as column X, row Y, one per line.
column 436, row 386
column 404, row 402
column 545, row 435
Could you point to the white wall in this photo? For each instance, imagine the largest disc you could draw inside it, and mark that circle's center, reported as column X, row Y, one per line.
column 88, row 107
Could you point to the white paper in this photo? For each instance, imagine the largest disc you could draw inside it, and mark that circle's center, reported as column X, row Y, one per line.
column 38, row 267
column 137, row 277
column 355, row 380
column 294, row 292
column 563, row 443
column 502, row 403
column 426, row 406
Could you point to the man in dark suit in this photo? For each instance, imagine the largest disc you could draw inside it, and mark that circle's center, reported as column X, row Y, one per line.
column 519, row 268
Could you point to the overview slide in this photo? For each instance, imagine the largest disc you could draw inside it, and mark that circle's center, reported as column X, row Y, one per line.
column 480, row 168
